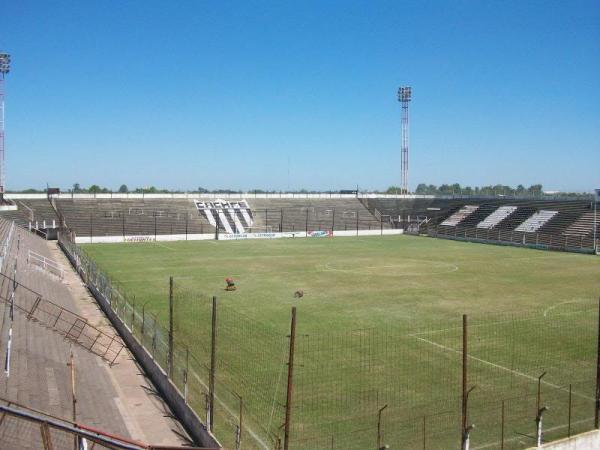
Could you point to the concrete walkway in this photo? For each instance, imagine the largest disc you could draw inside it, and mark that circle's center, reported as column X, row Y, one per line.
column 145, row 416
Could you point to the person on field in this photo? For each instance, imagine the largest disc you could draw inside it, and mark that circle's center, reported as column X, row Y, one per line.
column 230, row 284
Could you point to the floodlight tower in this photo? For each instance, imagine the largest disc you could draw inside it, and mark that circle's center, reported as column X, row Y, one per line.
column 4, row 69
column 404, row 97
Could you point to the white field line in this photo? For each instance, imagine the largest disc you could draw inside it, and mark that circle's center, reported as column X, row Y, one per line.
column 255, row 436
column 516, row 438
column 550, row 308
column 499, row 322
column 459, row 327
column 164, row 246
column 360, row 271
column 498, row 366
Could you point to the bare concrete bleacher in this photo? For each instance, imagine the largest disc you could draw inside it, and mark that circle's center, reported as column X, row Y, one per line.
column 31, row 212
column 557, row 224
column 179, row 217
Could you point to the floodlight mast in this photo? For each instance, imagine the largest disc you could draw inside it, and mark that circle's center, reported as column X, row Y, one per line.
column 4, row 69
column 404, row 97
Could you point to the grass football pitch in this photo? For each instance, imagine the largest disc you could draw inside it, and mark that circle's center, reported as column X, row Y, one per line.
column 380, row 323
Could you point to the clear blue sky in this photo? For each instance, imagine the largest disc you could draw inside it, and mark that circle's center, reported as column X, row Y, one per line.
column 223, row 94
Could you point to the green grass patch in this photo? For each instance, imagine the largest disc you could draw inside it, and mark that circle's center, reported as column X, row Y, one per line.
column 379, row 324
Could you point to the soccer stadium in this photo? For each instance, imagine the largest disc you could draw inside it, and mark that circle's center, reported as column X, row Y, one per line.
column 288, row 319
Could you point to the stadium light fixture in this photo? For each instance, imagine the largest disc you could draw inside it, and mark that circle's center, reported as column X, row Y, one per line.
column 4, row 63
column 404, row 94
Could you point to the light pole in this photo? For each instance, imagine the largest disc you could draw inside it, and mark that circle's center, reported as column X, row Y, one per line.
column 595, row 231
column 404, row 97
column 4, row 69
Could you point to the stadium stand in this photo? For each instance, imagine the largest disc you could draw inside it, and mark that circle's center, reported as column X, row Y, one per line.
column 132, row 217
column 314, row 214
column 120, row 217
column 536, row 221
column 495, row 219
column 460, row 215
column 584, row 226
column 31, row 211
column 497, row 216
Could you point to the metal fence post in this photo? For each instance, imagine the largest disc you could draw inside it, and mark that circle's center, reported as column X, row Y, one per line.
column 333, row 222
column 597, row 406
column 424, row 433
column 502, row 428
column 570, row 405
column 170, row 356
column 240, row 430
column 290, row 382
column 185, row 374
column 213, row 363
column 306, row 222
column 464, row 374
column 133, row 315
column 466, row 429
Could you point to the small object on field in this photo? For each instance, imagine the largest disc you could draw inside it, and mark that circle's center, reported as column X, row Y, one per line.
column 299, row 293
column 230, row 284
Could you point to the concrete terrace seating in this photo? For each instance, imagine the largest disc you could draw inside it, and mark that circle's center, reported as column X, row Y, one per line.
column 132, row 217
column 460, row 215
column 584, row 225
column 31, row 210
column 536, row 221
column 313, row 214
column 496, row 217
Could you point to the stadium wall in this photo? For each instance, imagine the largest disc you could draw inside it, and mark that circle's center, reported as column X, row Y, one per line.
column 230, row 237
column 583, row 441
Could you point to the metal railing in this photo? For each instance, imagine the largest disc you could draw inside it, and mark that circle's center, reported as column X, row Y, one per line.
column 46, row 264
column 59, row 319
column 539, row 240
column 26, row 428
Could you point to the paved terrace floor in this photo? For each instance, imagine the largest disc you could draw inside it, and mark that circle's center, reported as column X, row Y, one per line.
column 117, row 399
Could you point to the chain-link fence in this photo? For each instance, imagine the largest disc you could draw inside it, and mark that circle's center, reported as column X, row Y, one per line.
column 419, row 387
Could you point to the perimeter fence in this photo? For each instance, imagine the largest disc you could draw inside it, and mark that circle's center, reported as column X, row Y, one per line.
column 539, row 240
column 263, row 385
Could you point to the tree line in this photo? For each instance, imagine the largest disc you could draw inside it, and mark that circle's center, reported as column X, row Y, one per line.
column 498, row 190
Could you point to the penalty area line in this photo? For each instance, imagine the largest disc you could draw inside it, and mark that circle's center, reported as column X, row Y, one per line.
column 498, row 366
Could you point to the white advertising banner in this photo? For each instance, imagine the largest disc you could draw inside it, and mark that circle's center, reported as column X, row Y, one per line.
column 230, row 237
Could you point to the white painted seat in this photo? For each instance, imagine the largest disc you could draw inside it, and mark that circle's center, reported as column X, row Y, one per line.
column 496, row 217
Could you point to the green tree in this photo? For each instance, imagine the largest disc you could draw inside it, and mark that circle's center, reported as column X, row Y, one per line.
column 535, row 189
column 421, row 189
column 123, row 189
